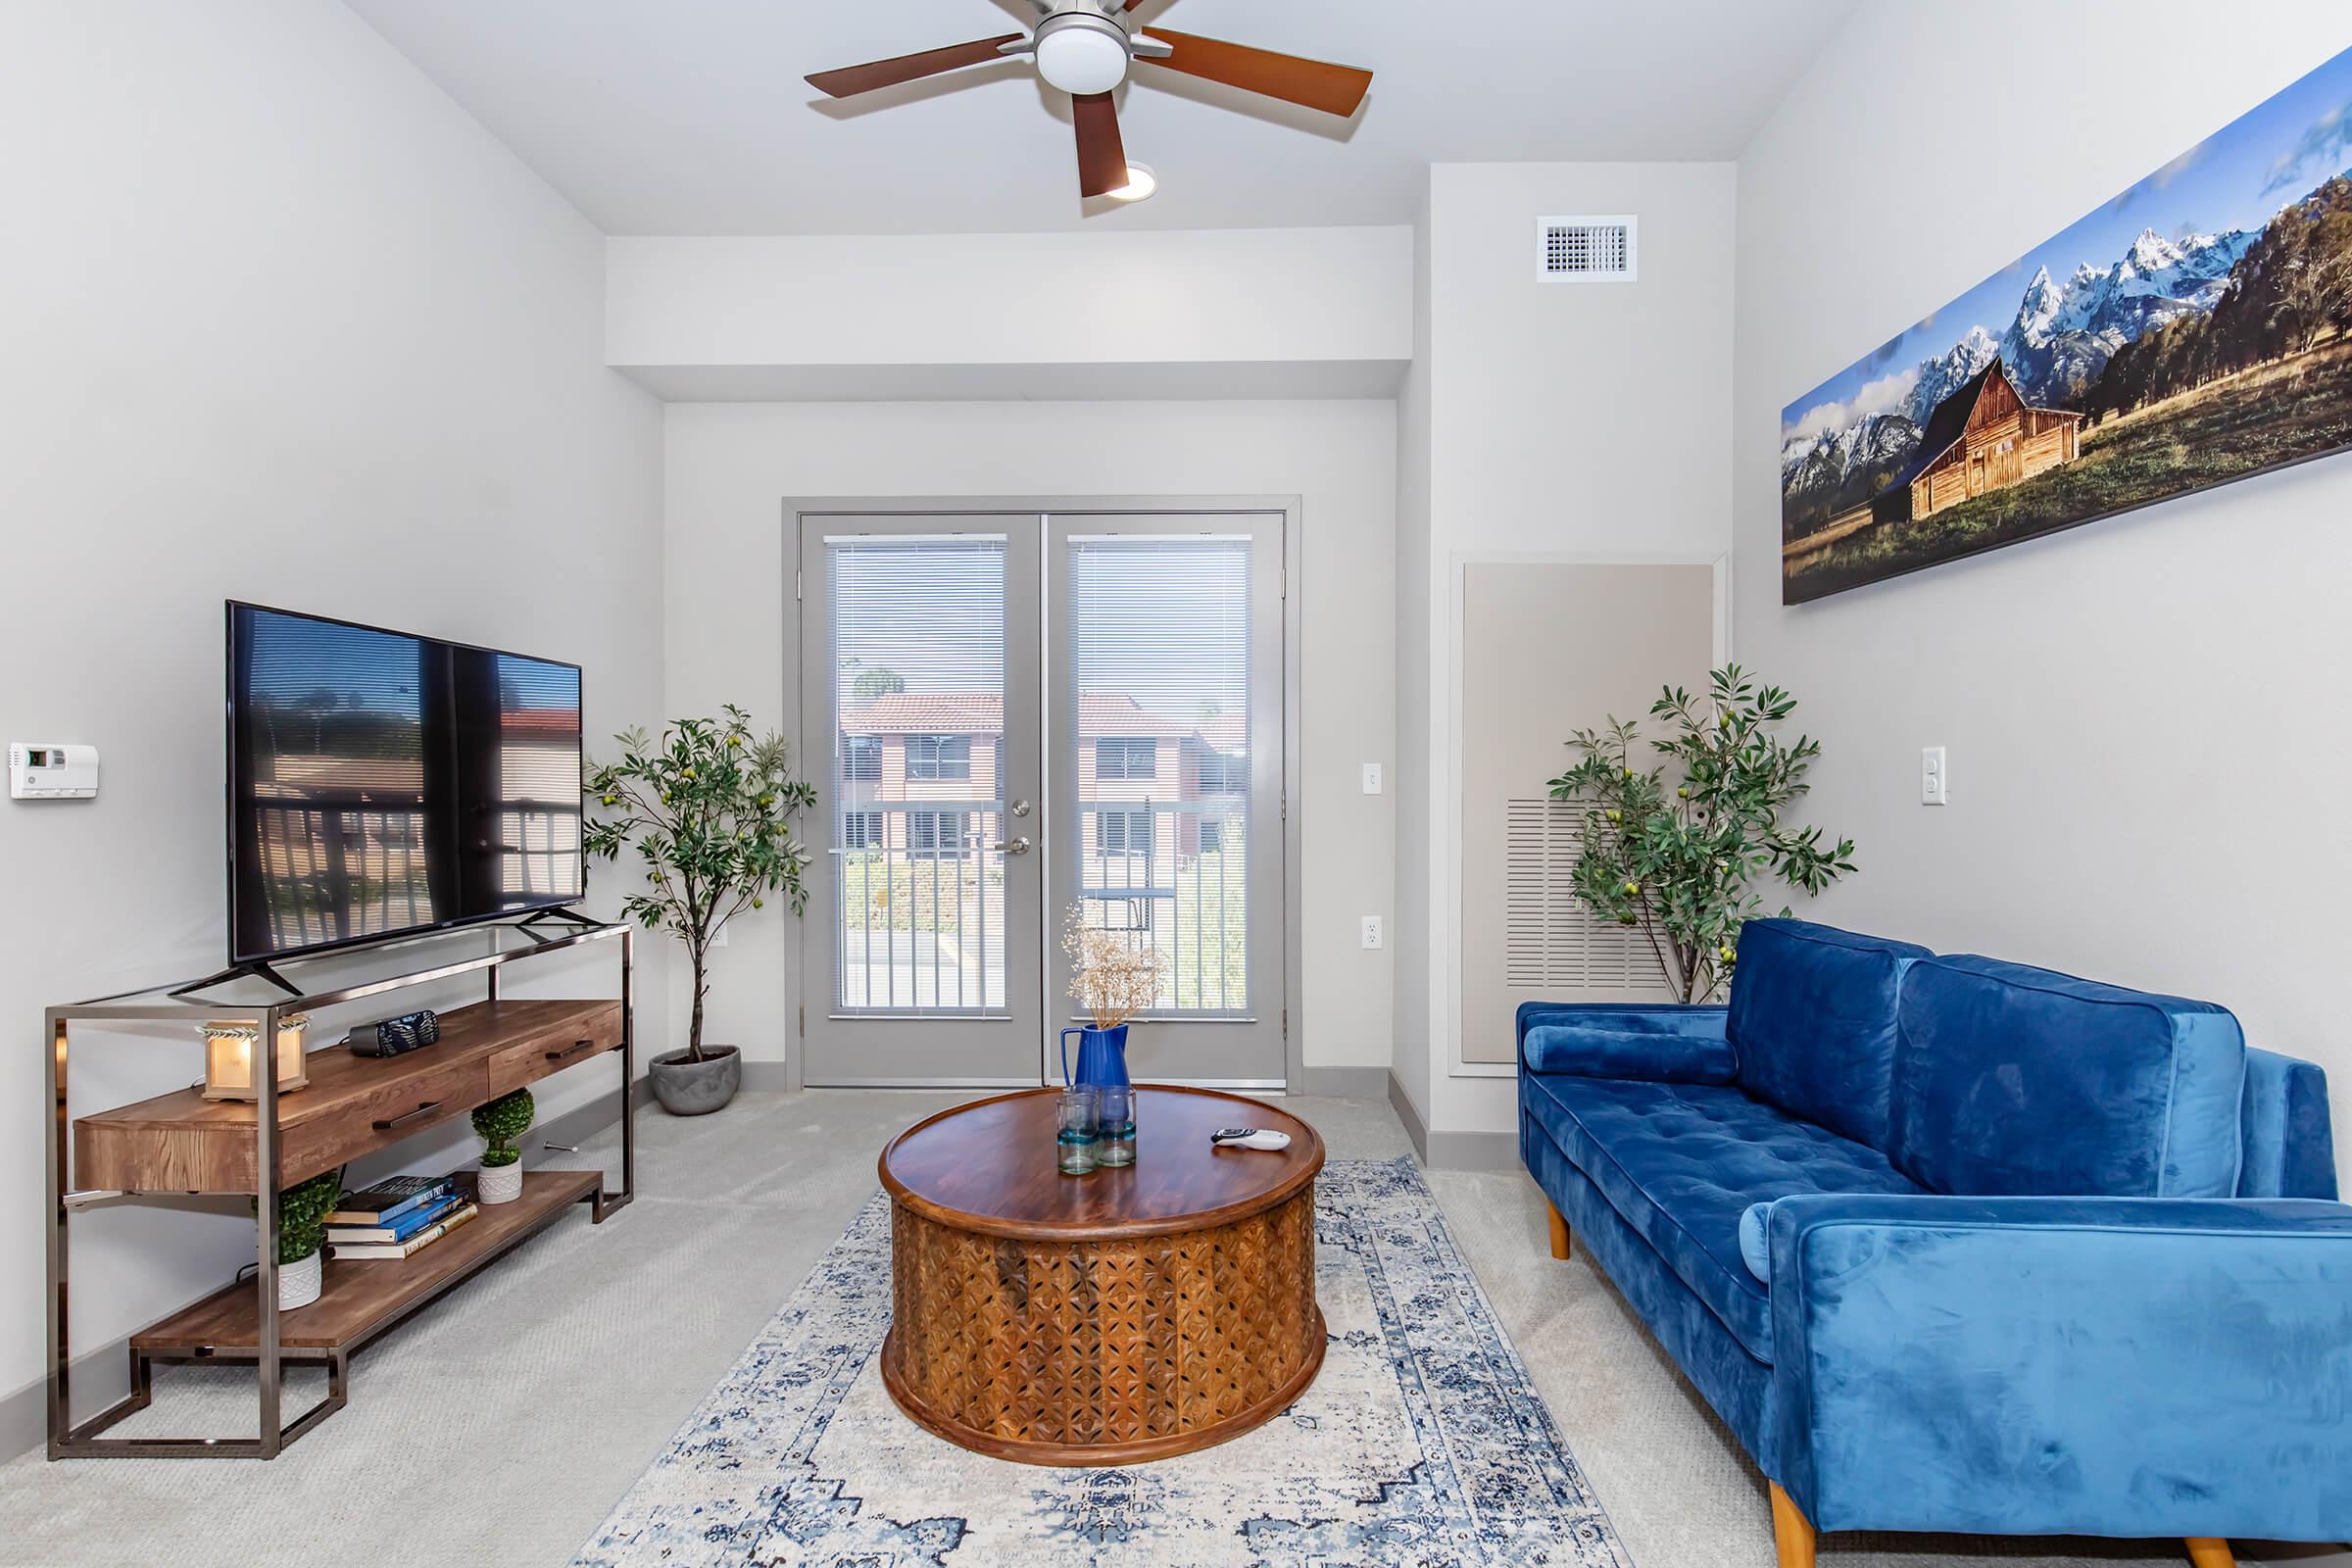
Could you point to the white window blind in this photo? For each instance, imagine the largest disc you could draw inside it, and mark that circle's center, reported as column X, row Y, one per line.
column 918, row 701
column 1159, row 653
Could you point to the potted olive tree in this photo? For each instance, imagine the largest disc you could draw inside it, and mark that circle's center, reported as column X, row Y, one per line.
column 1678, row 856
column 500, row 1125
column 709, row 808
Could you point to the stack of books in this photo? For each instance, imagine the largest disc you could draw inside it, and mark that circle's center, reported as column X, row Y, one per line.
column 398, row 1218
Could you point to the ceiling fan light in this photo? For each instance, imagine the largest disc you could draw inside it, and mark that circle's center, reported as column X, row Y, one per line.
column 1083, row 59
column 1142, row 184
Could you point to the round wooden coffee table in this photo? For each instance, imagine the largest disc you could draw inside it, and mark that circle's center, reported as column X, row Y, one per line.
column 1105, row 1319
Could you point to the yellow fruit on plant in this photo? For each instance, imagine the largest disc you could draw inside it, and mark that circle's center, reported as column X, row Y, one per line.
column 1632, row 888
column 1616, row 816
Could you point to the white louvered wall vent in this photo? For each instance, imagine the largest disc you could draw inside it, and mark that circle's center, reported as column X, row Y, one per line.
column 1550, row 939
column 1587, row 250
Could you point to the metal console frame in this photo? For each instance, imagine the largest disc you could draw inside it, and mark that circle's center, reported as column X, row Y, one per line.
column 68, row 1441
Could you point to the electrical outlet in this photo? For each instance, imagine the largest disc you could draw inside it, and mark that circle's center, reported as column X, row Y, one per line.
column 1372, row 935
column 718, row 938
column 1935, row 777
column 1371, row 778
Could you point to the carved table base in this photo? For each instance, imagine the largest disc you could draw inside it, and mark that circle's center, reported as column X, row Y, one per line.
column 1103, row 1351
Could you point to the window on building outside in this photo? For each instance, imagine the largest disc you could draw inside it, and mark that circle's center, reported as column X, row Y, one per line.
column 936, row 832
column 1125, row 756
column 861, row 830
column 1224, row 774
column 862, row 758
column 1123, row 832
column 938, row 756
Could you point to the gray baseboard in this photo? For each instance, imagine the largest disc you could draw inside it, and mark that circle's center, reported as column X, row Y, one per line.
column 1472, row 1152
column 779, row 1077
column 1410, row 1114
column 1453, row 1151
column 1344, row 1083
column 102, row 1376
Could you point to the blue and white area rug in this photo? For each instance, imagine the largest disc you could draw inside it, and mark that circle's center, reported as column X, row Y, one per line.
column 1421, row 1443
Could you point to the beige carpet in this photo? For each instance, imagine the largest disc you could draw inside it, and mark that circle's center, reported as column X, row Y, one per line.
column 498, row 1427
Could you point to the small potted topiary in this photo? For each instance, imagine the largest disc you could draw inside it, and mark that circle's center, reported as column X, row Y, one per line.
column 501, row 1123
column 302, row 1210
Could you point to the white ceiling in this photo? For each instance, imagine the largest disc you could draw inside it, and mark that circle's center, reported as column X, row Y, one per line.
column 689, row 116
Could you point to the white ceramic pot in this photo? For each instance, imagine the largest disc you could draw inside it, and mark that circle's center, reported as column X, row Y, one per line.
column 498, row 1184
column 298, row 1283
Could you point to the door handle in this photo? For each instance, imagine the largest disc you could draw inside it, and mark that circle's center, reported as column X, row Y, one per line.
column 1011, row 847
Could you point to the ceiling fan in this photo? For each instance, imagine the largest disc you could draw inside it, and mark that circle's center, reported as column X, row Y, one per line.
column 1084, row 48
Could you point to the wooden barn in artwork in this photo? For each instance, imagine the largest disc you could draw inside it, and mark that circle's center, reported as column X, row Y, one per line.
column 1982, row 437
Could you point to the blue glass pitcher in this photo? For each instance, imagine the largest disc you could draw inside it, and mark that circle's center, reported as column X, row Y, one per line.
column 1102, row 1056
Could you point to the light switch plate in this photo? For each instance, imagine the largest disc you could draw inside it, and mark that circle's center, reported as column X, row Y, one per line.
column 1935, row 777
column 1372, row 778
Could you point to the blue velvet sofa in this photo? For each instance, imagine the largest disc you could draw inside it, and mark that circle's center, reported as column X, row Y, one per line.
column 1958, row 1245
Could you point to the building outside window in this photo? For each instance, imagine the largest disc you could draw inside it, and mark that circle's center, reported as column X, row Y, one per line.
column 861, row 758
column 861, row 830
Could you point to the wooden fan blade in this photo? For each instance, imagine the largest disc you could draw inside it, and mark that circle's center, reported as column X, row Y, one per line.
column 1102, row 153
column 1333, row 89
column 851, row 80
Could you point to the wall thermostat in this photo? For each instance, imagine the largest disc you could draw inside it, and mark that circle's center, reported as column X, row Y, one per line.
column 43, row 773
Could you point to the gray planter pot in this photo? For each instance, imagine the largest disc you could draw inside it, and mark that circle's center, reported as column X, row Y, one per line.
column 688, row 1088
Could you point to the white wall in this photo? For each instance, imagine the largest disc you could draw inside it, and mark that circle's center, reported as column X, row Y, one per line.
column 281, row 323
column 1563, row 419
column 1220, row 314
column 2143, row 714
column 1409, row 933
column 730, row 467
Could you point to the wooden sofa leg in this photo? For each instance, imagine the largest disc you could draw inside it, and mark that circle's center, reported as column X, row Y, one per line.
column 1559, row 1231
column 1792, row 1532
column 2210, row 1551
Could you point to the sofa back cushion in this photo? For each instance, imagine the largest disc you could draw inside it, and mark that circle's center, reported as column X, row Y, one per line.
column 1812, row 1021
column 2282, row 1121
column 2013, row 1081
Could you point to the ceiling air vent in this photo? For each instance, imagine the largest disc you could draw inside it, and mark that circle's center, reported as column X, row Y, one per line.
column 1587, row 250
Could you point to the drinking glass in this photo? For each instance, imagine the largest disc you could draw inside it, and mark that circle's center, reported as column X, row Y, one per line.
column 1116, row 1128
column 1076, row 1129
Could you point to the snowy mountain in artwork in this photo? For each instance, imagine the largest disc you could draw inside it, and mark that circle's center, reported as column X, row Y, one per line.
column 2062, row 337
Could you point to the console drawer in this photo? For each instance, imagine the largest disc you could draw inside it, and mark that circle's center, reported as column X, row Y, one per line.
column 526, row 1061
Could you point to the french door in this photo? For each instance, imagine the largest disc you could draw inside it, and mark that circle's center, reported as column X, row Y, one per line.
column 1024, row 722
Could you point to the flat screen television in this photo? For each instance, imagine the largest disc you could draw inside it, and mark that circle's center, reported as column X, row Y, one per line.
column 382, row 783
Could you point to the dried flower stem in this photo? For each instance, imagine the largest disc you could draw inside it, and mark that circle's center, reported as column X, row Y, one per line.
column 1113, row 978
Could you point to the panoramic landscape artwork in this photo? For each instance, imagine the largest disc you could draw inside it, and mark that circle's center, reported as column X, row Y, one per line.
column 2194, row 330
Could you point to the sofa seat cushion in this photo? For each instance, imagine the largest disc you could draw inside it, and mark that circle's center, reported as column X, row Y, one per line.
column 1681, row 1162
column 2011, row 1081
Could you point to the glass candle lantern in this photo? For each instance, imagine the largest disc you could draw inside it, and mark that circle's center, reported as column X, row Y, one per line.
column 229, row 1055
